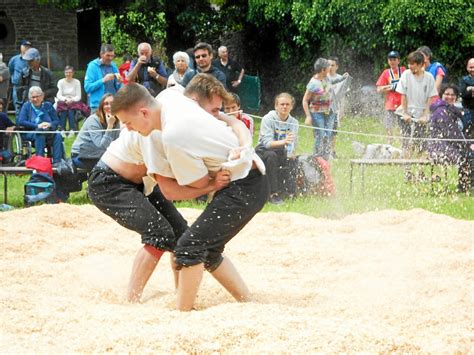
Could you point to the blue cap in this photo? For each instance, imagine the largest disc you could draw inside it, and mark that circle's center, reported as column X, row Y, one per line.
column 25, row 43
column 393, row 54
column 31, row 54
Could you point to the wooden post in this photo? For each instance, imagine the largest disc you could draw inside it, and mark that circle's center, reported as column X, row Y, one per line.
column 47, row 55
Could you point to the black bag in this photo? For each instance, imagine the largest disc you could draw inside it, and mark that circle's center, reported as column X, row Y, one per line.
column 40, row 188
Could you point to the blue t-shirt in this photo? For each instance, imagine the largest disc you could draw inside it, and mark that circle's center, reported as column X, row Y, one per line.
column 109, row 86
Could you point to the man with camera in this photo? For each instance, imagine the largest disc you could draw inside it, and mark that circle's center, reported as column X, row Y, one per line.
column 148, row 71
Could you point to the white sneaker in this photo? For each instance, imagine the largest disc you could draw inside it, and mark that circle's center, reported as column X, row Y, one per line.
column 63, row 134
column 71, row 133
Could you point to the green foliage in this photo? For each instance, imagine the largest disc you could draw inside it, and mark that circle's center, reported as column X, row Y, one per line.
column 122, row 42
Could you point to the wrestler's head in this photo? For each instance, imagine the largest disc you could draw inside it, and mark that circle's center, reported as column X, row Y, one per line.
column 134, row 107
column 208, row 92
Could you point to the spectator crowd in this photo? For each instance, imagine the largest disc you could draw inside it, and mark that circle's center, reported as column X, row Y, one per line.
column 418, row 100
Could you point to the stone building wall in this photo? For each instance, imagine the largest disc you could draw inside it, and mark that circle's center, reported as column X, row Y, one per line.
column 43, row 26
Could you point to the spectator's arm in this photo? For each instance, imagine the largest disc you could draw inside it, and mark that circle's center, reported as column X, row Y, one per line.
column 77, row 90
column 55, row 122
column 60, row 95
column 187, row 77
column 305, row 104
column 162, row 75
column 92, row 82
column 133, row 72
column 4, row 75
column 23, row 119
column 239, row 128
column 100, row 139
column 438, row 82
column 463, row 89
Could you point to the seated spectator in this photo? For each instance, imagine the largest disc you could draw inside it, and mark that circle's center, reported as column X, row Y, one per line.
column 232, row 107
column 98, row 131
column 277, row 147
column 5, row 125
column 40, row 116
column 124, row 68
column 445, row 123
column 68, row 101
column 181, row 64
column 37, row 75
column 466, row 86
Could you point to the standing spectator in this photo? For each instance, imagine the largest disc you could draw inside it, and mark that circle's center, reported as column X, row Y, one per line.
column 17, row 66
column 418, row 90
column 124, row 69
column 277, row 147
column 102, row 76
column 436, row 69
column 148, row 70
column 181, row 65
column 98, row 131
column 317, row 108
column 232, row 107
column 336, row 79
column 466, row 85
column 233, row 71
column 4, row 80
column 387, row 85
column 39, row 116
column 203, row 56
column 37, row 75
column 68, row 100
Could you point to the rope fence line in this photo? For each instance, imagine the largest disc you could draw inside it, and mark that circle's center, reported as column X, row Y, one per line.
column 352, row 133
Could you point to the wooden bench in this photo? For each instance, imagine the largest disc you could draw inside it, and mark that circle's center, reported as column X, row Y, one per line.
column 399, row 162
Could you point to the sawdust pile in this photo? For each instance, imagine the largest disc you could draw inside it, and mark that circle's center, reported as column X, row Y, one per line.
column 381, row 281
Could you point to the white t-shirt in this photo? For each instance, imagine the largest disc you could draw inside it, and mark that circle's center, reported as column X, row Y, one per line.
column 194, row 141
column 417, row 90
column 131, row 147
column 69, row 90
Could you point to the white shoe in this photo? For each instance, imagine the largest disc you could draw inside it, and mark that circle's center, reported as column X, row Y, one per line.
column 63, row 134
column 71, row 133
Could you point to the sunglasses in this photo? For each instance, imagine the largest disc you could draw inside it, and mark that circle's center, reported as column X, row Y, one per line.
column 200, row 56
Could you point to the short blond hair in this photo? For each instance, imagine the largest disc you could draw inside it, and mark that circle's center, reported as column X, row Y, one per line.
column 286, row 95
column 131, row 95
column 204, row 86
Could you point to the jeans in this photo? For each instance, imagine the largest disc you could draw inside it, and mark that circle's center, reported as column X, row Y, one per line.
column 68, row 115
column 322, row 136
column 54, row 140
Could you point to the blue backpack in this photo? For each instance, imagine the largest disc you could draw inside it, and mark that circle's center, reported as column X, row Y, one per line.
column 40, row 188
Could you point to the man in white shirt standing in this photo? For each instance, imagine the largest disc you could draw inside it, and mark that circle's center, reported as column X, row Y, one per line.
column 418, row 90
column 196, row 147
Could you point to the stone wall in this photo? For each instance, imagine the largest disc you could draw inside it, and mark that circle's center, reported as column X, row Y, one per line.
column 44, row 27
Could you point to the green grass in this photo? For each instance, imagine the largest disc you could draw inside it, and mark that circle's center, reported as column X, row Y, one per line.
column 384, row 185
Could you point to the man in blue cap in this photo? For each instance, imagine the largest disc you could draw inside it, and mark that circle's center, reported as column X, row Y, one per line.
column 37, row 75
column 17, row 66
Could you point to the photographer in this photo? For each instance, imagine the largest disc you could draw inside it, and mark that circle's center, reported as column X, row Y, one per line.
column 148, row 71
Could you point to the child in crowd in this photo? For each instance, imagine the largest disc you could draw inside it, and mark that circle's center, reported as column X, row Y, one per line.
column 387, row 84
column 232, row 107
column 417, row 89
column 277, row 147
